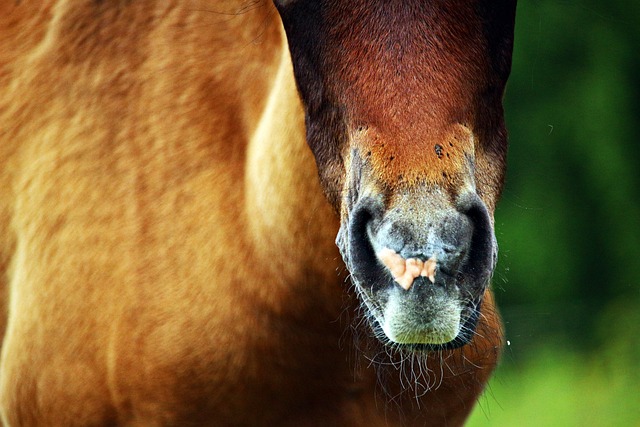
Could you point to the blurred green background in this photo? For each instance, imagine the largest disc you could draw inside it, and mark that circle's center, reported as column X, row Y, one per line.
column 568, row 278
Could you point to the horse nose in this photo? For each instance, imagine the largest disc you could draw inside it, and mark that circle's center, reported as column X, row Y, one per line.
column 421, row 262
column 431, row 244
column 434, row 267
column 424, row 238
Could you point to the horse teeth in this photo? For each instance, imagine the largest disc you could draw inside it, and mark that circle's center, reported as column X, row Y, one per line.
column 394, row 262
column 405, row 282
column 414, row 266
column 405, row 271
column 429, row 269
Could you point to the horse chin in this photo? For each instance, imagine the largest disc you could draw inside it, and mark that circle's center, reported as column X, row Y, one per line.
column 419, row 321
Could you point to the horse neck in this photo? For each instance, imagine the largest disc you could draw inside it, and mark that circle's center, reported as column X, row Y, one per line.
column 290, row 221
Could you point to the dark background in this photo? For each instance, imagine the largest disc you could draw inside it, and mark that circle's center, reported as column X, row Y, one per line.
column 568, row 225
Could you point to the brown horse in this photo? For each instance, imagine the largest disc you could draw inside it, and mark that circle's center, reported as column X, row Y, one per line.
column 167, row 248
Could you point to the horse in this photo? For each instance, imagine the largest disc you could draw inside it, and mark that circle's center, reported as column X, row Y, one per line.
column 247, row 213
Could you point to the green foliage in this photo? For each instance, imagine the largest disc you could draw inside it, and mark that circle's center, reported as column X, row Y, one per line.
column 553, row 386
column 569, row 221
column 559, row 388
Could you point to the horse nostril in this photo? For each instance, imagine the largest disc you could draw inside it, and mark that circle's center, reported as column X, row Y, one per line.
column 439, row 245
column 481, row 249
column 356, row 244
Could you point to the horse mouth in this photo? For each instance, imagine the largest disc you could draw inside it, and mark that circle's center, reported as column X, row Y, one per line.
column 426, row 293
column 429, row 334
column 427, row 317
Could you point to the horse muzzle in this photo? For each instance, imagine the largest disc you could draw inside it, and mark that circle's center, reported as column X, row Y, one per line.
column 421, row 261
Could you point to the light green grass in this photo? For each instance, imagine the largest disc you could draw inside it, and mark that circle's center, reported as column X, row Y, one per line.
column 558, row 388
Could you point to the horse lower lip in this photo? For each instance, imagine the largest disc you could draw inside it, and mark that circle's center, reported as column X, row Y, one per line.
column 468, row 322
column 424, row 314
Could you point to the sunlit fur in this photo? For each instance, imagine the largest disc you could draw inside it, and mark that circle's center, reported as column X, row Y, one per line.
column 166, row 248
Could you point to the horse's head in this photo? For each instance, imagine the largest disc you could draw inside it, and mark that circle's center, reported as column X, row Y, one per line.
column 403, row 103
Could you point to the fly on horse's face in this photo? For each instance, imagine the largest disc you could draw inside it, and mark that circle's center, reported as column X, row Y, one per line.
column 403, row 103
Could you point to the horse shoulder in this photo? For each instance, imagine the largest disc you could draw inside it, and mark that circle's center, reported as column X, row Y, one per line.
column 123, row 154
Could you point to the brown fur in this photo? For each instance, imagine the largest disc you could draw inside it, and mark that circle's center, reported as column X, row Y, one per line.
column 165, row 245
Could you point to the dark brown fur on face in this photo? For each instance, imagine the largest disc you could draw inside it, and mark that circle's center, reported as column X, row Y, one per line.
column 166, row 249
column 404, row 116
column 407, row 69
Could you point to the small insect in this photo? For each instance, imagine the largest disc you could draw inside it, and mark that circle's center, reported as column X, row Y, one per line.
column 438, row 149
